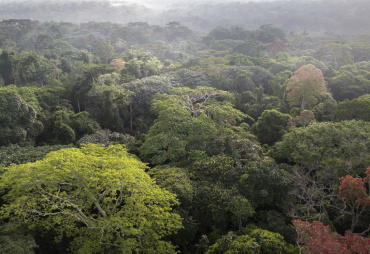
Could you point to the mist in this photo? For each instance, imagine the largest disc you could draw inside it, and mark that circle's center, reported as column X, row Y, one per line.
column 313, row 16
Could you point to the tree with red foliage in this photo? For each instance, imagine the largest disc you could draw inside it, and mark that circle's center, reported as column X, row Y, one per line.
column 304, row 118
column 305, row 86
column 355, row 195
column 316, row 238
column 276, row 47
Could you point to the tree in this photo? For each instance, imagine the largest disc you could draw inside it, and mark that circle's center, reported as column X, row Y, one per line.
column 68, row 127
column 334, row 53
column 18, row 119
column 325, row 111
column 305, row 86
column 118, row 64
column 356, row 196
column 43, row 41
column 7, row 68
column 139, row 65
column 105, row 51
column 33, row 69
column 13, row 242
column 304, row 118
column 100, row 196
column 351, row 82
column 177, row 181
column 269, row 33
column 265, row 183
column 260, row 77
column 316, row 238
column 321, row 154
column 106, row 104
column 276, row 47
column 271, row 126
column 143, row 92
column 15, row 154
column 188, row 120
column 355, row 109
column 254, row 241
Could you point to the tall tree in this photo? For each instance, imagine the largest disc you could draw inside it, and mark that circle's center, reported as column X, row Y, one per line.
column 100, row 196
column 305, row 86
column 316, row 238
column 188, row 121
column 271, row 126
column 7, row 68
column 355, row 195
column 18, row 119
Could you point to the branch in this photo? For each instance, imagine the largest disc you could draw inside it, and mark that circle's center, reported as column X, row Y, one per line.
column 96, row 203
column 365, row 231
column 83, row 217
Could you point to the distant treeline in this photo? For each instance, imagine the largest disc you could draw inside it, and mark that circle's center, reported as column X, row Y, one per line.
column 343, row 17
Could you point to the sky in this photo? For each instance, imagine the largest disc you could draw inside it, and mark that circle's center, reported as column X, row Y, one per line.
column 161, row 4
column 168, row 4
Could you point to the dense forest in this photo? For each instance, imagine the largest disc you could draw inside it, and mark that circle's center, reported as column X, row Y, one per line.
column 170, row 138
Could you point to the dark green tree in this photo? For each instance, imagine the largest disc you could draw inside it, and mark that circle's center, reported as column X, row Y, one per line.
column 7, row 68
column 18, row 119
column 271, row 126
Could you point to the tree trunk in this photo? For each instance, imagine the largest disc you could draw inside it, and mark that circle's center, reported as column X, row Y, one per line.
column 131, row 116
column 303, row 103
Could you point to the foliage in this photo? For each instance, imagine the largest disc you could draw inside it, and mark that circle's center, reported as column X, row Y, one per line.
column 325, row 111
column 251, row 76
column 271, row 126
column 18, row 122
column 69, row 127
column 316, row 238
column 304, row 118
column 265, row 183
column 140, row 65
column 106, row 137
column 352, row 81
column 139, row 115
column 105, row 51
column 334, row 53
column 322, row 153
column 355, row 195
column 107, row 103
column 177, row 181
column 13, row 242
column 187, row 122
column 355, row 109
column 15, row 154
column 305, row 86
column 100, row 196
column 187, row 103
column 257, row 241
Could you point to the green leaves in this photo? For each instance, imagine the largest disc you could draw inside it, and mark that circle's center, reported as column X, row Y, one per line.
column 271, row 126
column 103, row 194
column 188, row 121
column 255, row 241
column 18, row 122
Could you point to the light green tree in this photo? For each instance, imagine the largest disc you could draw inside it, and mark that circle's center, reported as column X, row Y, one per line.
column 99, row 196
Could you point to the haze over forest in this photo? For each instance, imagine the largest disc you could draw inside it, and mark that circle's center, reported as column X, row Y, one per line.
column 323, row 16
